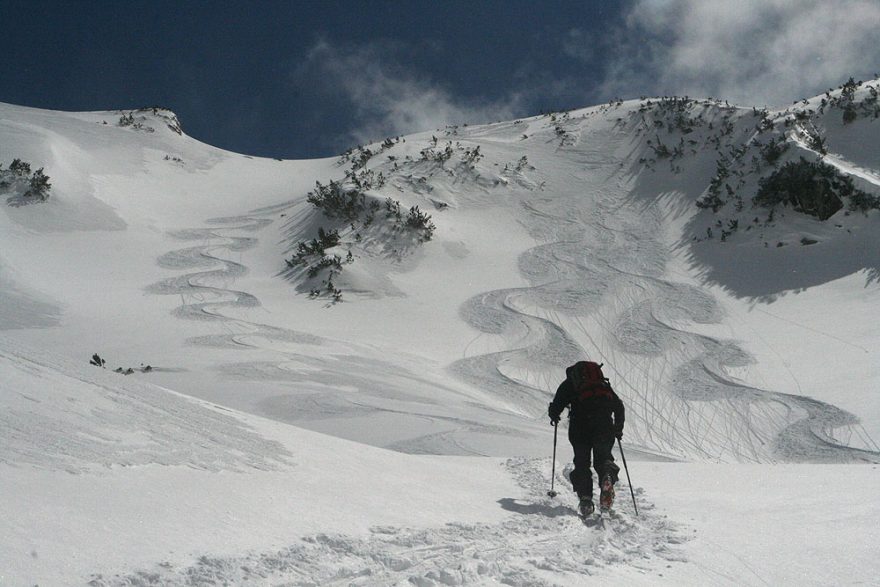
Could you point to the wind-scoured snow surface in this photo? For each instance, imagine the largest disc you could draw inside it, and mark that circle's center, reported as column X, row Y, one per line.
column 399, row 436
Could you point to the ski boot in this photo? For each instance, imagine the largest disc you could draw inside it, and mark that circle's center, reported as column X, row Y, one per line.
column 586, row 507
column 606, row 497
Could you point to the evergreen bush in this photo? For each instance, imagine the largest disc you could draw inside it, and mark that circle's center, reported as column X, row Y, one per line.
column 814, row 188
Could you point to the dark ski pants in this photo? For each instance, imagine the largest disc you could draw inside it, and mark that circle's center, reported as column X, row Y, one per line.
column 599, row 446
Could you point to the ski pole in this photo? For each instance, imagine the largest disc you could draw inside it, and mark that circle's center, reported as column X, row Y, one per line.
column 628, row 480
column 552, row 493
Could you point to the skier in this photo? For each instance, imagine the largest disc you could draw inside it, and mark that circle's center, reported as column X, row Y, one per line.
column 591, row 429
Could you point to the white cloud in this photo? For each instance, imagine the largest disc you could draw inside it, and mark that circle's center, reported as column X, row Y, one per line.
column 753, row 52
column 388, row 99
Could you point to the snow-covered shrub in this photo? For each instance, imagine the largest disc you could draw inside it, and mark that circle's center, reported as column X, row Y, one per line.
column 20, row 168
column 811, row 187
column 440, row 156
column 712, row 198
column 313, row 256
column 128, row 120
column 392, row 208
column 353, row 205
column 772, row 151
column 850, row 114
column 418, row 220
column 39, row 186
column 25, row 187
column 138, row 119
column 315, row 247
column 854, row 101
column 861, row 201
column 338, row 201
column 359, row 156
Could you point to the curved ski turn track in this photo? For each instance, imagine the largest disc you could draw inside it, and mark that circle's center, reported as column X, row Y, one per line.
column 601, row 284
column 601, row 288
column 320, row 379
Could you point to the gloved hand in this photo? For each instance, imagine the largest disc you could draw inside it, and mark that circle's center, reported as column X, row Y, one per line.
column 618, row 432
column 554, row 417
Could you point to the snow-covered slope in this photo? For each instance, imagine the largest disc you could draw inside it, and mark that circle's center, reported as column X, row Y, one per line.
column 108, row 480
column 556, row 237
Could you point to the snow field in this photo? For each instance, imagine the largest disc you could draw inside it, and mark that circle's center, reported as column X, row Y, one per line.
column 157, row 249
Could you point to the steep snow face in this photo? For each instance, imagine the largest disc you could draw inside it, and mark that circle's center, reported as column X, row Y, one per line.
column 554, row 238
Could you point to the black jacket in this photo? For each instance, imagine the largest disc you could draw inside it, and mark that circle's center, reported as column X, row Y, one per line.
column 596, row 411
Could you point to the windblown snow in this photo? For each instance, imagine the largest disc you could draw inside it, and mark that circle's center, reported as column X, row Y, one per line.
column 365, row 404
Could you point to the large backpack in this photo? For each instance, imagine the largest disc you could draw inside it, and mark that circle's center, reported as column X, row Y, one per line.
column 588, row 381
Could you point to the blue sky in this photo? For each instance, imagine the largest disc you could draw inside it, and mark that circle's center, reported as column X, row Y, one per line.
column 309, row 79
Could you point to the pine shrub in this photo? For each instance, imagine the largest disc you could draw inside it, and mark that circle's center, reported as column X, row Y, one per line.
column 814, row 188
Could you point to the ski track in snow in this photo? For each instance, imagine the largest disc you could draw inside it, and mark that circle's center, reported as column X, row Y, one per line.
column 354, row 381
column 204, row 293
column 599, row 290
column 541, row 543
column 598, row 286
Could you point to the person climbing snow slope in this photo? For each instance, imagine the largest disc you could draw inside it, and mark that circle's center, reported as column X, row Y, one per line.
column 596, row 418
